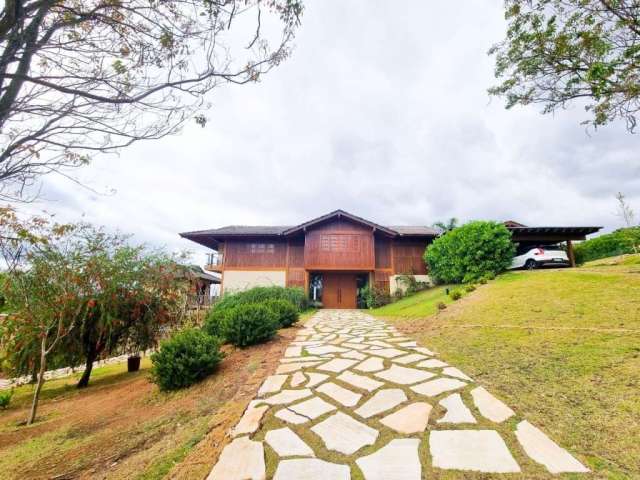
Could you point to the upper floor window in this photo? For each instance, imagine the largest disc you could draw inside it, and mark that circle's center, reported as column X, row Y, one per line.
column 339, row 243
column 262, row 248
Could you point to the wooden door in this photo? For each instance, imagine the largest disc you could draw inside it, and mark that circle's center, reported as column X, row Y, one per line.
column 339, row 290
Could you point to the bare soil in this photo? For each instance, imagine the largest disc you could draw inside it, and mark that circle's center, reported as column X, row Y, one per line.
column 123, row 427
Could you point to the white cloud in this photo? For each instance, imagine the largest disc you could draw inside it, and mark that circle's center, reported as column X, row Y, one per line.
column 382, row 110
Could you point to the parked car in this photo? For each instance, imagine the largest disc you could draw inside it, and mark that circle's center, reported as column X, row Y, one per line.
column 543, row 255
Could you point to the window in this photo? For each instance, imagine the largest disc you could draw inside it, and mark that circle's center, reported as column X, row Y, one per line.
column 262, row 248
column 339, row 243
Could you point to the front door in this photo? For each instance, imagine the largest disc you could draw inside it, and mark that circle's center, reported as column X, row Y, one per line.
column 339, row 290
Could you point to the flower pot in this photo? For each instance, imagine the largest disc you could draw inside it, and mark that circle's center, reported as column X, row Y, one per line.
column 133, row 363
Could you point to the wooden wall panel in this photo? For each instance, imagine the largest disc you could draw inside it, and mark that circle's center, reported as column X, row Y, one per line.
column 295, row 277
column 296, row 253
column 255, row 253
column 383, row 252
column 408, row 257
column 381, row 279
column 339, row 245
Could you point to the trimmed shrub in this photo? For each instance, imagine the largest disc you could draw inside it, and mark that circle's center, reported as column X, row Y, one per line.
column 286, row 311
column 482, row 280
column 184, row 359
column 214, row 322
column 375, row 297
column 441, row 305
column 250, row 324
column 261, row 294
column 609, row 245
column 469, row 252
column 469, row 287
column 5, row 398
column 455, row 294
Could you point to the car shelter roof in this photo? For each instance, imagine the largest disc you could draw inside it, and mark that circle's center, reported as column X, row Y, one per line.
column 523, row 233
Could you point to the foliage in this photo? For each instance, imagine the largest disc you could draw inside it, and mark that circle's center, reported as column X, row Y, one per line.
column 186, row 358
column 214, row 322
column 608, row 245
column 470, row 287
column 260, row 294
column 447, row 226
column 98, row 75
column 375, row 297
column 5, row 398
column 559, row 51
column 455, row 294
column 467, row 253
column 248, row 324
column 441, row 305
column 410, row 285
column 286, row 312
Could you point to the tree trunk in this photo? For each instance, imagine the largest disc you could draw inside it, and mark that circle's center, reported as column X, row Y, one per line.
column 36, row 393
column 92, row 355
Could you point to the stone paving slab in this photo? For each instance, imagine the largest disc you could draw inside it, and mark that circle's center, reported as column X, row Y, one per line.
column 398, row 460
column 352, row 381
column 410, row 419
column 345, row 434
column 490, row 407
column 252, row 466
column 311, row 469
column 545, row 451
column 287, row 444
column 475, row 450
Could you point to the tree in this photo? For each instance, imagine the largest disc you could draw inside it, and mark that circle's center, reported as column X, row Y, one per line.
column 470, row 252
column 447, row 226
column 84, row 76
column 557, row 52
column 628, row 217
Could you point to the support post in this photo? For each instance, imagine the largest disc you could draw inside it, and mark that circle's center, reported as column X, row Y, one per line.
column 570, row 254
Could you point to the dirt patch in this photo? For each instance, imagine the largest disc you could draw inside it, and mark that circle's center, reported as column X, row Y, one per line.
column 120, row 427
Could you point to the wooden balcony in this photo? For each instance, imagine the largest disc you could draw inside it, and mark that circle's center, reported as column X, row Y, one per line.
column 215, row 262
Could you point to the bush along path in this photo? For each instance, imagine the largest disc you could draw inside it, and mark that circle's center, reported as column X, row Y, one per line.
column 354, row 399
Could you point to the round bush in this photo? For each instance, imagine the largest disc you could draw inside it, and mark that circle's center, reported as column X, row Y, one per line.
column 286, row 311
column 184, row 359
column 467, row 253
column 214, row 321
column 455, row 294
column 249, row 324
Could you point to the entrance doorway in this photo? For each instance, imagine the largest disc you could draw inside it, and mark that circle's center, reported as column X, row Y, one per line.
column 339, row 290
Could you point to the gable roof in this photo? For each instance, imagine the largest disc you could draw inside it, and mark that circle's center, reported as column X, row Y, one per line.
column 211, row 237
column 339, row 214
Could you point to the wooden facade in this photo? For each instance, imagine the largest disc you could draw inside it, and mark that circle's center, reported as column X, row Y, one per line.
column 341, row 248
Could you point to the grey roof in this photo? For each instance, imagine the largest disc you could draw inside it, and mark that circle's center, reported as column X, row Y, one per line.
column 413, row 230
column 241, row 230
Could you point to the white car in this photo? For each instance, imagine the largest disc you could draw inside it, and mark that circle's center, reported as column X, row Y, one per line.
column 544, row 255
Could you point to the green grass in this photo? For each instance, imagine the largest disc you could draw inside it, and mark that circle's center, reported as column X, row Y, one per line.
column 421, row 304
column 562, row 347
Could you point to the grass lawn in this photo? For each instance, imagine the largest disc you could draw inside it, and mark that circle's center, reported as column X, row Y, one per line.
column 122, row 427
column 562, row 347
column 421, row 304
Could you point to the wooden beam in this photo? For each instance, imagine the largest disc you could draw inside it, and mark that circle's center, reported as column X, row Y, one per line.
column 570, row 253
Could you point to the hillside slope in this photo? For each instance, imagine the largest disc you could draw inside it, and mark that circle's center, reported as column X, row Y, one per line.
column 562, row 347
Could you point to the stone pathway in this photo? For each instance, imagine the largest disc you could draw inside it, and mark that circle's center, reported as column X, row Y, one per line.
column 353, row 398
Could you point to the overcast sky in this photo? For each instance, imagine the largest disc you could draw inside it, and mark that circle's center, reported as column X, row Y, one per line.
column 382, row 111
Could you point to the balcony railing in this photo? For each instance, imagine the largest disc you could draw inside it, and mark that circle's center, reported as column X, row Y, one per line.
column 214, row 261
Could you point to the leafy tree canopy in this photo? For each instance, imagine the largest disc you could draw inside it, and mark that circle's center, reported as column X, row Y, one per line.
column 84, row 76
column 470, row 252
column 559, row 51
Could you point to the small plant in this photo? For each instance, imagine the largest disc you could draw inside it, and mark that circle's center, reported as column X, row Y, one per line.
column 375, row 297
column 482, row 281
column 250, row 324
column 455, row 294
column 184, row 359
column 470, row 287
column 441, row 305
column 286, row 311
column 5, row 398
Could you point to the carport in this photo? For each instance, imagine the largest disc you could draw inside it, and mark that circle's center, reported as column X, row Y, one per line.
column 524, row 235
